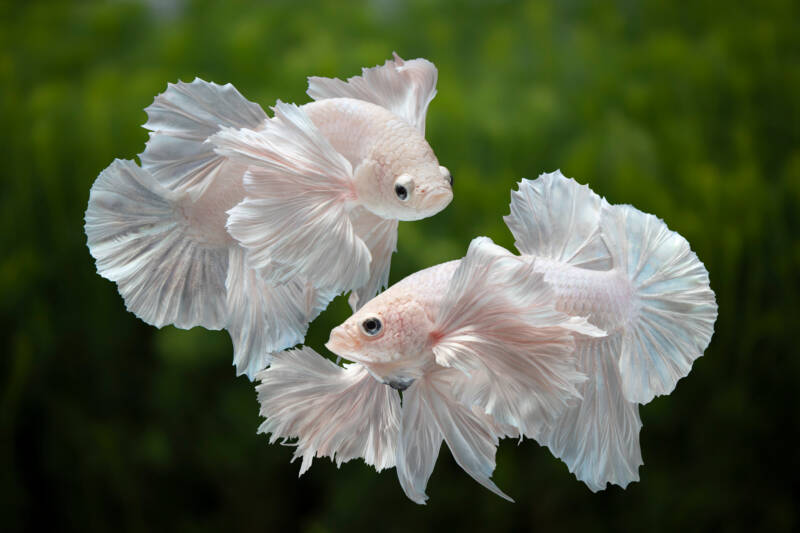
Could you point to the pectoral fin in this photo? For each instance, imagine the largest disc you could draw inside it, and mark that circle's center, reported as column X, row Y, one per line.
column 498, row 324
column 294, row 219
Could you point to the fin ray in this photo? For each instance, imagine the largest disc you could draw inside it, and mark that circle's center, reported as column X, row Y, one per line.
column 418, row 444
column 140, row 240
column 557, row 218
column 598, row 437
column 497, row 324
column 341, row 413
column 405, row 88
column 266, row 317
column 676, row 308
column 380, row 236
column 181, row 119
column 294, row 220
column 471, row 436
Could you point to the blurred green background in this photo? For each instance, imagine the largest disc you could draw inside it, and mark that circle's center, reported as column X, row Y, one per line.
column 686, row 110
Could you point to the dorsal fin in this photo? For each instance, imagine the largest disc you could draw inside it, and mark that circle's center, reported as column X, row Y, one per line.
column 405, row 88
column 557, row 218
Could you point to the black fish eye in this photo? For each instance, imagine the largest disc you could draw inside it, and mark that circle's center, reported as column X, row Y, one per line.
column 450, row 178
column 401, row 192
column 371, row 326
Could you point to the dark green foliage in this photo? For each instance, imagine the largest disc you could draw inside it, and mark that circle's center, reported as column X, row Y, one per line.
column 686, row 110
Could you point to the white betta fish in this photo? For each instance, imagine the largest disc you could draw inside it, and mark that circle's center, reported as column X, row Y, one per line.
column 254, row 224
column 604, row 309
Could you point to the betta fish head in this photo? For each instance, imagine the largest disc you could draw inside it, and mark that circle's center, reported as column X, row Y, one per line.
column 390, row 336
column 402, row 179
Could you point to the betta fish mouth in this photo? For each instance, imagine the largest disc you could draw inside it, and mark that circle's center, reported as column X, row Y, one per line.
column 343, row 345
column 432, row 202
column 438, row 198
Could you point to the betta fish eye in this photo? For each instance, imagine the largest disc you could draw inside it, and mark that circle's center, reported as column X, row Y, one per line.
column 403, row 187
column 447, row 175
column 371, row 326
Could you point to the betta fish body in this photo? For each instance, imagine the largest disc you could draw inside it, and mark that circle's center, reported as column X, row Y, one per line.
column 604, row 309
column 240, row 221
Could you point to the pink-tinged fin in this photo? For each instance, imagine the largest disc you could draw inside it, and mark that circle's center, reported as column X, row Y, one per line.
column 181, row 119
column 675, row 309
column 341, row 413
column 266, row 317
column 405, row 88
column 598, row 438
column 418, row 445
column 557, row 218
column 140, row 239
column 380, row 236
column 294, row 219
column 497, row 323
column 431, row 413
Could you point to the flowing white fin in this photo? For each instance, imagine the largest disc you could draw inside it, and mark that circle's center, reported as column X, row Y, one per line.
column 266, row 317
column 557, row 218
column 598, row 438
column 405, row 88
column 341, row 413
column 138, row 234
column 430, row 414
column 418, row 445
column 294, row 219
column 498, row 324
column 380, row 236
column 673, row 317
column 181, row 119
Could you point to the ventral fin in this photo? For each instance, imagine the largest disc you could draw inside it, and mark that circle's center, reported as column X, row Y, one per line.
column 598, row 437
column 380, row 236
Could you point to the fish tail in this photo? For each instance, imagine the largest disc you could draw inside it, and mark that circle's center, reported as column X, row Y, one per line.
column 671, row 319
column 141, row 239
column 674, row 309
column 667, row 325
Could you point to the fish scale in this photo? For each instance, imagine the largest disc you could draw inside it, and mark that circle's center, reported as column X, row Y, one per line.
column 606, row 297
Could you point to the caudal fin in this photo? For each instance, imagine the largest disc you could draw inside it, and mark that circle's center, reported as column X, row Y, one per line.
column 649, row 348
column 141, row 240
column 674, row 310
